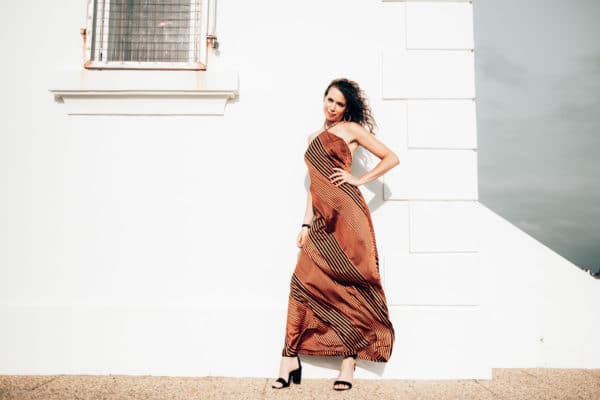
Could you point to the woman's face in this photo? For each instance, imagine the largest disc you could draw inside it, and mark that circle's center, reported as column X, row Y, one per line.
column 334, row 105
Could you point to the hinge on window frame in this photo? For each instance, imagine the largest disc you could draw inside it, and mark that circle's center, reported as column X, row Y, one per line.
column 212, row 41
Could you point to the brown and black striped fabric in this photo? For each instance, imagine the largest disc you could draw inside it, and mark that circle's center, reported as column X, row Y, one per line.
column 336, row 304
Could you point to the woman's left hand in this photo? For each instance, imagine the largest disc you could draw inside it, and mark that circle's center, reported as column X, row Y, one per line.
column 341, row 176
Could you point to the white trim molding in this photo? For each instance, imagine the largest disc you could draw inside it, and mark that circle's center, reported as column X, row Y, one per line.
column 109, row 92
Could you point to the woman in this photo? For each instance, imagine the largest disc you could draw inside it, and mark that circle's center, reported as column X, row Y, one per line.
column 337, row 306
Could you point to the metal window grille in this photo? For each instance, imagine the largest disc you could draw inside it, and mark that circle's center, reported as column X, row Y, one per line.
column 148, row 34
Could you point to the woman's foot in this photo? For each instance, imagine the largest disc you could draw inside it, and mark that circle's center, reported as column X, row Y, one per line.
column 287, row 364
column 346, row 373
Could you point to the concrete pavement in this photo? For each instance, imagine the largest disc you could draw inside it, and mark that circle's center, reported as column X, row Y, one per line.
column 506, row 384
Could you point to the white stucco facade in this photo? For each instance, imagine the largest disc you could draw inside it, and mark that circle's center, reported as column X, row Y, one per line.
column 163, row 244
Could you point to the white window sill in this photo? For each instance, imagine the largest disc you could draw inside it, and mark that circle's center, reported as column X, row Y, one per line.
column 107, row 92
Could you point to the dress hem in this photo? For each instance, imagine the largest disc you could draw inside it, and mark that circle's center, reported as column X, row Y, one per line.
column 334, row 353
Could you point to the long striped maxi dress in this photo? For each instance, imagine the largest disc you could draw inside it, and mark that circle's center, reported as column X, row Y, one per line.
column 336, row 304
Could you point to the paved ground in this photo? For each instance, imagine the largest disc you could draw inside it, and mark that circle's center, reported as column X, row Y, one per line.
column 506, row 384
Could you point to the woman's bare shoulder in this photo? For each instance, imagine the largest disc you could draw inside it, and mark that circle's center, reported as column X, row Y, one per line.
column 354, row 128
column 351, row 130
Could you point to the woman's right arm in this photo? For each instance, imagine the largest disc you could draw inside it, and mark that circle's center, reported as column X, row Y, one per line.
column 308, row 212
column 308, row 217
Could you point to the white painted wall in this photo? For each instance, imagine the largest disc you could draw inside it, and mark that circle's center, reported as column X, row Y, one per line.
column 165, row 245
column 541, row 310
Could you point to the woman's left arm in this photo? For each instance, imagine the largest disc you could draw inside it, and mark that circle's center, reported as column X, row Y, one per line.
column 388, row 159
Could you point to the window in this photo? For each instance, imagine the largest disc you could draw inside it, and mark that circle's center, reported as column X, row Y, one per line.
column 147, row 34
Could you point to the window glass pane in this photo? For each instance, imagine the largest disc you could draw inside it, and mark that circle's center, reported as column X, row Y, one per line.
column 146, row 30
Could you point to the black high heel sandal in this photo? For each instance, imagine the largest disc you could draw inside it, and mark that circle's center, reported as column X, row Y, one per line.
column 340, row 382
column 294, row 376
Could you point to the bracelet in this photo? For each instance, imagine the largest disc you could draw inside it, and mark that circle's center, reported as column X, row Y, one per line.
column 306, row 225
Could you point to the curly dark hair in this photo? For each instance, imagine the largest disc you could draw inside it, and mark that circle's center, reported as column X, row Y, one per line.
column 357, row 106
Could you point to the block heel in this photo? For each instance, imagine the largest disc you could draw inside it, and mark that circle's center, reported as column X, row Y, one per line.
column 297, row 376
